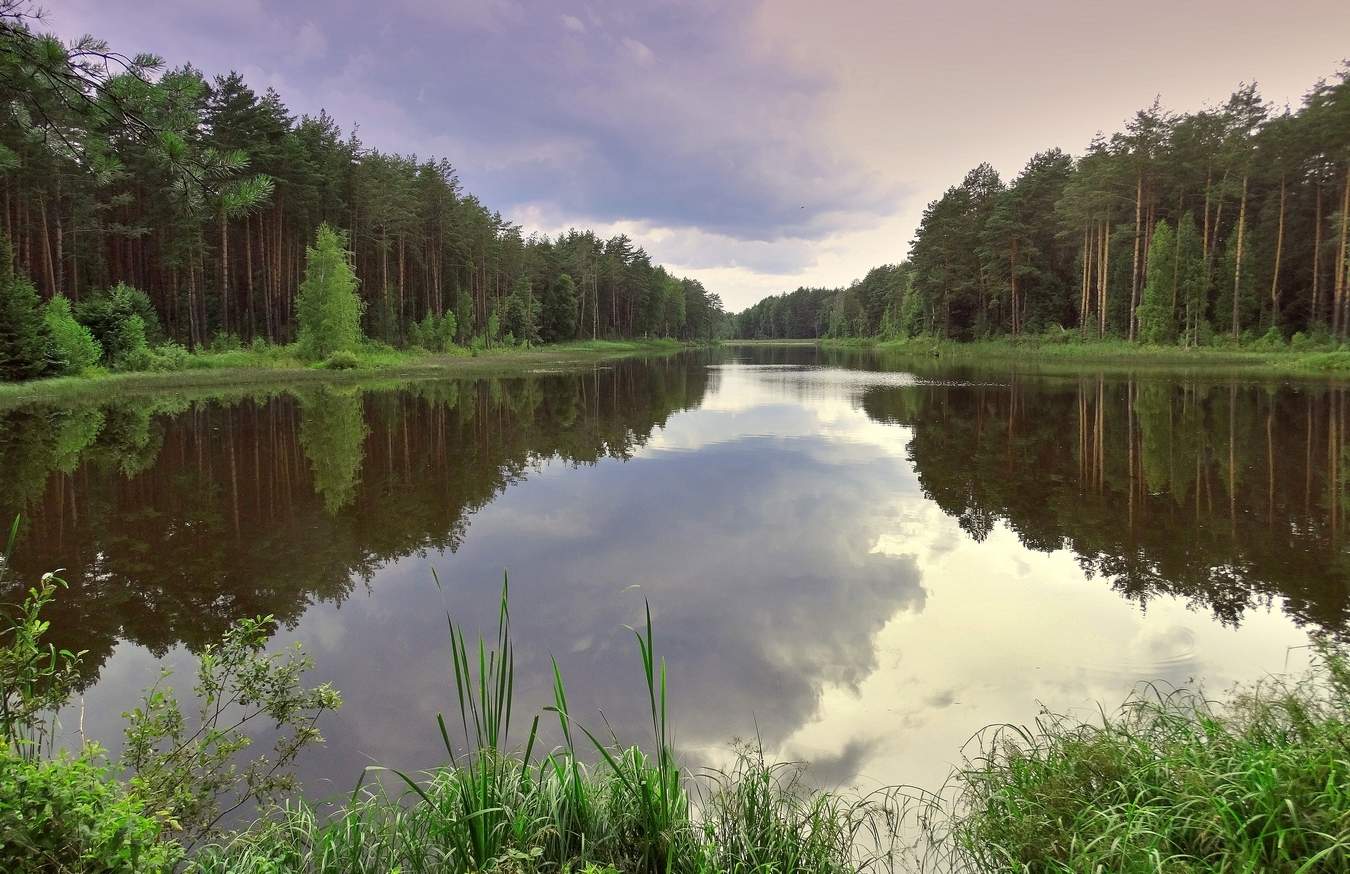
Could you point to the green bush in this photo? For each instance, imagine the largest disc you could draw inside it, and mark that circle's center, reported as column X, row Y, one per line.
column 342, row 360
column 25, row 344
column 73, row 346
column 1272, row 340
column 69, row 815
column 225, row 343
column 161, row 359
column 435, row 334
column 122, row 320
column 1058, row 335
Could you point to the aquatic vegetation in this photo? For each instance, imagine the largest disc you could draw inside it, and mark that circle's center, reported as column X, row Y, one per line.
column 1172, row 781
column 498, row 807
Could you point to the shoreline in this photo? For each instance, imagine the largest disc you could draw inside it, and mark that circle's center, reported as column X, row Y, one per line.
column 1321, row 363
column 213, row 370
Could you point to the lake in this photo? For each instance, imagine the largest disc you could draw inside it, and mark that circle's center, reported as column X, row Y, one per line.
column 859, row 561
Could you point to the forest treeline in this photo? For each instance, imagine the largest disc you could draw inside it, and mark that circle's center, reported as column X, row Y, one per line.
column 203, row 194
column 1228, row 223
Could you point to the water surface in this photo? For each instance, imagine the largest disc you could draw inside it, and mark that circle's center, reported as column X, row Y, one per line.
column 858, row 561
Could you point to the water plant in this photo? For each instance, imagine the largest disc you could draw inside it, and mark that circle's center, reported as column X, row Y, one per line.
column 1172, row 781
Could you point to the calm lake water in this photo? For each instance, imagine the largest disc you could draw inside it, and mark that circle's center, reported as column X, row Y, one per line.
column 862, row 562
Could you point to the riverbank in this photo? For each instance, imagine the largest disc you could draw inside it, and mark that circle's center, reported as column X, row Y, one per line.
column 277, row 365
column 1259, row 781
column 1323, row 361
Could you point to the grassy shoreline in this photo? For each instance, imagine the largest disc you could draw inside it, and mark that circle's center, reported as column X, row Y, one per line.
column 1170, row 781
column 1322, row 361
column 1326, row 362
column 276, row 366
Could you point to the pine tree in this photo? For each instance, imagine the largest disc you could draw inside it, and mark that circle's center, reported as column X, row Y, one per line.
column 1192, row 278
column 25, row 343
column 1157, row 319
column 327, row 308
column 73, row 346
column 559, row 315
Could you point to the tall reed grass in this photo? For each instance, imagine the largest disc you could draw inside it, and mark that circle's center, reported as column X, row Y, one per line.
column 1172, row 782
column 592, row 804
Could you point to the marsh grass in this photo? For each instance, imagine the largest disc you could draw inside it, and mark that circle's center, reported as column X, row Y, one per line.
column 1171, row 782
column 501, row 808
column 1069, row 351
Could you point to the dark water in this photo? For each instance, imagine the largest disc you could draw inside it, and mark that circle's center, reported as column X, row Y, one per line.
column 862, row 563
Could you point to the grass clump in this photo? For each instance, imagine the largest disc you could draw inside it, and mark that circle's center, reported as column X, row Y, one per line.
column 588, row 805
column 1171, row 782
column 342, row 360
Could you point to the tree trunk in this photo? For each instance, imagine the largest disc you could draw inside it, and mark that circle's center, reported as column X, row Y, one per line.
column 1315, row 316
column 248, row 278
column 1134, row 281
column 1208, row 182
column 1279, row 251
column 47, row 249
column 400, row 288
column 192, row 306
column 268, row 308
column 1105, row 277
column 224, row 272
column 60, row 287
column 1087, row 274
column 1237, row 260
column 1338, row 320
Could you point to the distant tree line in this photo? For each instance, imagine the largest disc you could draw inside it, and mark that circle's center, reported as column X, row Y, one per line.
column 1226, row 223
column 203, row 196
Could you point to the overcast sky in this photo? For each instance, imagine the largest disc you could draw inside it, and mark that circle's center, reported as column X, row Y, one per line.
column 757, row 146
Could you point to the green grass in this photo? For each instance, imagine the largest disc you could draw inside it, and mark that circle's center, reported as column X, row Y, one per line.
column 1068, row 350
column 279, row 365
column 587, row 805
column 1171, row 782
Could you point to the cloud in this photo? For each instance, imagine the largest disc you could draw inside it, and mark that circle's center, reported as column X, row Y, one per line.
column 777, row 123
column 310, row 43
column 754, row 623
column 637, row 51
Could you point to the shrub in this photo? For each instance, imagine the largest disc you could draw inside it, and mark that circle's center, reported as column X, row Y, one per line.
column 69, row 815
column 161, row 359
column 35, row 678
column 24, row 340
column 193, row 774
column 122, row 320
column 73, row 346
column 226, row 342
column 1271, row 340
column 342, row 360
column 435, row 334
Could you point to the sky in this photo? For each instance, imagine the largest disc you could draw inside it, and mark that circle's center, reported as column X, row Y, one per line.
column 756, row 146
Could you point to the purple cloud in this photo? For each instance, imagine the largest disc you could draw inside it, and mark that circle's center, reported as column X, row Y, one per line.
column 655, row 112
